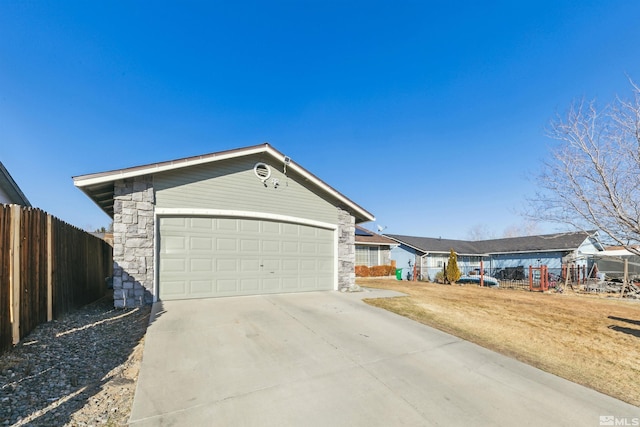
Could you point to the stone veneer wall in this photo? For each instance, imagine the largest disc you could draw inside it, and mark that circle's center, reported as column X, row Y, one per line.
column 346, row 250
column 133, row 250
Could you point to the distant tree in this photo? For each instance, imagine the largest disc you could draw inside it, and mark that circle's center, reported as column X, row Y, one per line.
column 528, row 228
column 452, row 273
column 591, row 178
column 480, row 232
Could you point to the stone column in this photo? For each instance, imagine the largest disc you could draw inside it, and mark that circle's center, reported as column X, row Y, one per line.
column 133, row 250
column 346, row 251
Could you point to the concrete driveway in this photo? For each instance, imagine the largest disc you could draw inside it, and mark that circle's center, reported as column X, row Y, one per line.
column 328, row 359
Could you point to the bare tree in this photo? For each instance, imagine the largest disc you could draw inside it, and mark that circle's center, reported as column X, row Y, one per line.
column 480, row 232
column 527, row 228
column 592, row 179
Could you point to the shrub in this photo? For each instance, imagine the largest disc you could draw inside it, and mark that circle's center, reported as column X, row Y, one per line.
column 362, row 271
column 439, row 277
column 453, row 272
column 382, row 270
column 375, row 271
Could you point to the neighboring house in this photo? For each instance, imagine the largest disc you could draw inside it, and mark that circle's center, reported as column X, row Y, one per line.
column 10, row 193
column 238, row 222
column 504, row 257
column 371, row 248
column 611, row 263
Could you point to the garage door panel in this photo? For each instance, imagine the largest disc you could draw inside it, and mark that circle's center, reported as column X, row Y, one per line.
column 209, row 257
column 250, row 286
column 174, row 265
column 271, row 266
column 227, row 265
column 290, row 283
column 201, row 287
column 174, row 287
column 324, row 264
column 201, row 265
column 226, row 245
column 271, row 284
column 308, row 282
column 175, row 244
column 200, row 243
column 250, row 266
column 174, row 223
column 250, row 245
column 290, row 247
column 272, row 246
column 289, row 230
column 290, row 266
column 271, row 227
column 249, row 226
column 201, row 223
column 308, row 248
column 227, row 224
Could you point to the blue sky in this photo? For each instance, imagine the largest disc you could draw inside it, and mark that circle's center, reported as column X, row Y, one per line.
column 431, row 115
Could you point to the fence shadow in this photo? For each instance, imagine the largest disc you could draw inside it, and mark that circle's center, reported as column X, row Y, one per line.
column 622, row 319
column 630, row 331
column 61, row 365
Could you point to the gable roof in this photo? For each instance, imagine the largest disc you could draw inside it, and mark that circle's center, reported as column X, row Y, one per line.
column 9, row 186
column 99, row 186
column 366, row 237
column 540, row 243
column 436, row 244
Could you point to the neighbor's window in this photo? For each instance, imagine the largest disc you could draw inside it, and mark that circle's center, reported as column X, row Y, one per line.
column 367, row 255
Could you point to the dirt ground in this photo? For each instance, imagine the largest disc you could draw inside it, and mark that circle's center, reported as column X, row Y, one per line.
column 593, row 340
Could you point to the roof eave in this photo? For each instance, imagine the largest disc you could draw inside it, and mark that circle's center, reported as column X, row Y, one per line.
column 11, row 187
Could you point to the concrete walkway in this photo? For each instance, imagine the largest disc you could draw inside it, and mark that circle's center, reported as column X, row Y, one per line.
column 328, row 359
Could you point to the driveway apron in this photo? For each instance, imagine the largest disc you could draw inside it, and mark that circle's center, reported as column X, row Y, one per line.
column 329, row 359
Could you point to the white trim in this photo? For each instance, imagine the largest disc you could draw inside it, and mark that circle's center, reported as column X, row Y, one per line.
column 336, row 263
column 243, row 214
column 532, row 251
column 155, row 168
column 156, row 256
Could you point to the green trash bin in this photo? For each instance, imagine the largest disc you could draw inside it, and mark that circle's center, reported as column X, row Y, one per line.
column 399, row 273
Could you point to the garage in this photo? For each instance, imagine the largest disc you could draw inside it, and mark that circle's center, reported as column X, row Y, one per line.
column 245, row 221
column 204, row 257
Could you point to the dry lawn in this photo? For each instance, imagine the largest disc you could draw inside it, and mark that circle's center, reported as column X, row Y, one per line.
column 587, row 339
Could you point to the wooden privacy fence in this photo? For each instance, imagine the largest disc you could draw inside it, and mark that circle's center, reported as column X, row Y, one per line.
column 47, row 268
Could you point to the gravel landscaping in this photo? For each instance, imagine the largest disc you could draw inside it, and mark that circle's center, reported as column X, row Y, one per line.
column 80, row 370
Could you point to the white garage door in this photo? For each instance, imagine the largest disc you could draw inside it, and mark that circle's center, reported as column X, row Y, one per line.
column 202, row 257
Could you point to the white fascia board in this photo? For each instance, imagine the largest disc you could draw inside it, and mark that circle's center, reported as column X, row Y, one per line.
column 374, row 244
column 532, row 251
column 408, row 245
column 88, row 180
column 243, row 214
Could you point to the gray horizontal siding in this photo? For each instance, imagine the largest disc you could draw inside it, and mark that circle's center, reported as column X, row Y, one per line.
column 232, row 184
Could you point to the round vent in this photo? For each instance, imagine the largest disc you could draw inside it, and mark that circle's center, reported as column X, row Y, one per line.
column 262, row 171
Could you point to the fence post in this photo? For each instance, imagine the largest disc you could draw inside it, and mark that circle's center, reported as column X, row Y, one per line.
column 49, row 269
column 14, row 273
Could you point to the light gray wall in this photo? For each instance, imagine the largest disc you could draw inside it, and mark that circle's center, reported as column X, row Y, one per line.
column 233, row 185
